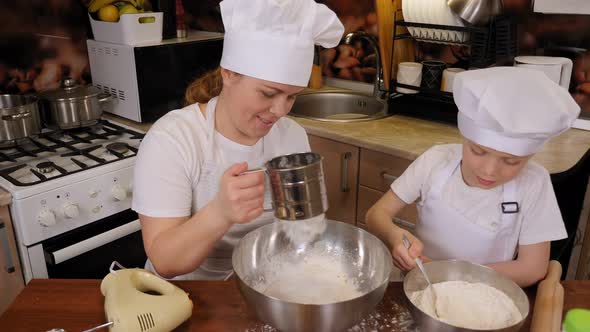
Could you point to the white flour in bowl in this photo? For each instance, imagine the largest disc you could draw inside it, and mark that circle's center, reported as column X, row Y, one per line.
column 315, row 279
column 469, row 305
column 303, row 231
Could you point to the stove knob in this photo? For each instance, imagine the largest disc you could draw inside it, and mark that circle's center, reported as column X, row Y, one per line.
column 71, row 210
column 46, row 217
column 119, row 192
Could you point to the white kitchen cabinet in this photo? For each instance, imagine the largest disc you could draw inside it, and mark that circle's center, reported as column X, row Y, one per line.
column 11, row 276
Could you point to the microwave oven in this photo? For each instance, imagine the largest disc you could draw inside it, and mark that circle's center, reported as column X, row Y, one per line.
column 149, row 80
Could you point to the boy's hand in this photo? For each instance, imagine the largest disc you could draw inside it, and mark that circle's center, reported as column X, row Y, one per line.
column 403, row 258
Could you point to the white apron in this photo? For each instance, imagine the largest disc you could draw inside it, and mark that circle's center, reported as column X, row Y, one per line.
column 447, row 234
column 218, row 265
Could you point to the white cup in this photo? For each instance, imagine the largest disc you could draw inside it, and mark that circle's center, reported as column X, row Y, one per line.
column 559, row 70
column 409, row 73
column 448, row 78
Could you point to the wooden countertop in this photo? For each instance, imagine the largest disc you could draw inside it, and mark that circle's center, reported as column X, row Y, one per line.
column 5, row 197
column 75, row 305
column 408, row 137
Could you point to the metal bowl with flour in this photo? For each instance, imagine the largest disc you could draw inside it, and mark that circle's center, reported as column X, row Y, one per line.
column 360, row 257
column 454, row 270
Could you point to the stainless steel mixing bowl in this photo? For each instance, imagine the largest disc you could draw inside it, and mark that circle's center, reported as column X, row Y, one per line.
column 451, row 270
column 366, row 258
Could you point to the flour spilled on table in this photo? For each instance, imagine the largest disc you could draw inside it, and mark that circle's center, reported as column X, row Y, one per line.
column 469, row 305
column 261, row 327
column 387, row 316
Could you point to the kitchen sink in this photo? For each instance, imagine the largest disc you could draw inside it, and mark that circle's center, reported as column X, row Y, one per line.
column 339, row 107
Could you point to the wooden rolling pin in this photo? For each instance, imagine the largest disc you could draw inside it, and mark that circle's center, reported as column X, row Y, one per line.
column 558, row 308
column 545, row 306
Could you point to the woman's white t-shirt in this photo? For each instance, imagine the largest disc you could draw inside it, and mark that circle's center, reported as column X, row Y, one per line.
column 171, row 157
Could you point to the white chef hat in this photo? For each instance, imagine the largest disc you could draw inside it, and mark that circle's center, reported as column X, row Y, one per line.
column 510, row 109
column 274, row 40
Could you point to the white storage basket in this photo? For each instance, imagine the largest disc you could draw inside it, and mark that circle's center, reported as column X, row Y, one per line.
column 129, row 30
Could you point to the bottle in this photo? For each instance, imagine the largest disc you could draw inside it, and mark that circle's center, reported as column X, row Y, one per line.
column 180, row 27
column 577, row 320
column 315, row 81
column 168, row 8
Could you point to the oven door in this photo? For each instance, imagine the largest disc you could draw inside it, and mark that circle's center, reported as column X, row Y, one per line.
column 88, row 251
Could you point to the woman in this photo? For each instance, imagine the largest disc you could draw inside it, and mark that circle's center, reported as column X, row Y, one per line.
column 485, row 201
column 194, row 205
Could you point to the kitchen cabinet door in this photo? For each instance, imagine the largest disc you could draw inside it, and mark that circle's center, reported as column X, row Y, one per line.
column 406, row 218
column 378, row 170
column 341, row 164
column 11, row 276
column 376, row 173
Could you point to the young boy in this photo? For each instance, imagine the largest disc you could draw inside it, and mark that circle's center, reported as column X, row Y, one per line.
column 484, row 201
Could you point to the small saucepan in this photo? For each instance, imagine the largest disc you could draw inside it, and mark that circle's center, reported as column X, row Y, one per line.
column 73, row 105
column 19, row 117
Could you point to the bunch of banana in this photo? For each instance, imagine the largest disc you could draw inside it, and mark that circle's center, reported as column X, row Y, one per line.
column 96, row 5
column 111, row 10
column 140, row 5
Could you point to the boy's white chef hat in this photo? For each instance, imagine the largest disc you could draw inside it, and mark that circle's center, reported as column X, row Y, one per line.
column 274, row 40
column 510, row 109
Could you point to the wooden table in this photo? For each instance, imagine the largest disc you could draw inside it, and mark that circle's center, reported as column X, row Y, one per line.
column 76, row 305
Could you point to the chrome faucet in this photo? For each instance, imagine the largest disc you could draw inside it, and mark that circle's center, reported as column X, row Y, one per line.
column 378, row 90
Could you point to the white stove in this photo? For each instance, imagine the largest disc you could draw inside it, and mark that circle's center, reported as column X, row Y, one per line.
column 71, row 197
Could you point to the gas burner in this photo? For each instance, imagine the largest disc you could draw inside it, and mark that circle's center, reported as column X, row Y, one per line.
column 54, row 154
column 46, row 167
column 120, row 148
column 77, row 132
column 9, row 144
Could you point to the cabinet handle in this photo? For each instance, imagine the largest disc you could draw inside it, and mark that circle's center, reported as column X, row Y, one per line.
column 6, row 248
column 403, row 223
column 345, row 157
column 388, row 177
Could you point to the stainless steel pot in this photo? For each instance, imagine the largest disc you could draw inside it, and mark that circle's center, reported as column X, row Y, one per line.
column 73, row 105
column 439, row 271
column 297, row 184
column 477, row 12
column 19, row 117
column 363, row 255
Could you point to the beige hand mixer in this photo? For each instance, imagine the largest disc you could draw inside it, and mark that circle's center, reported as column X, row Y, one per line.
column 136, row 300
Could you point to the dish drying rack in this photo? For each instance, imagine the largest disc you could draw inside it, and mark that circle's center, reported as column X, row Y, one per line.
column 493, row 44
